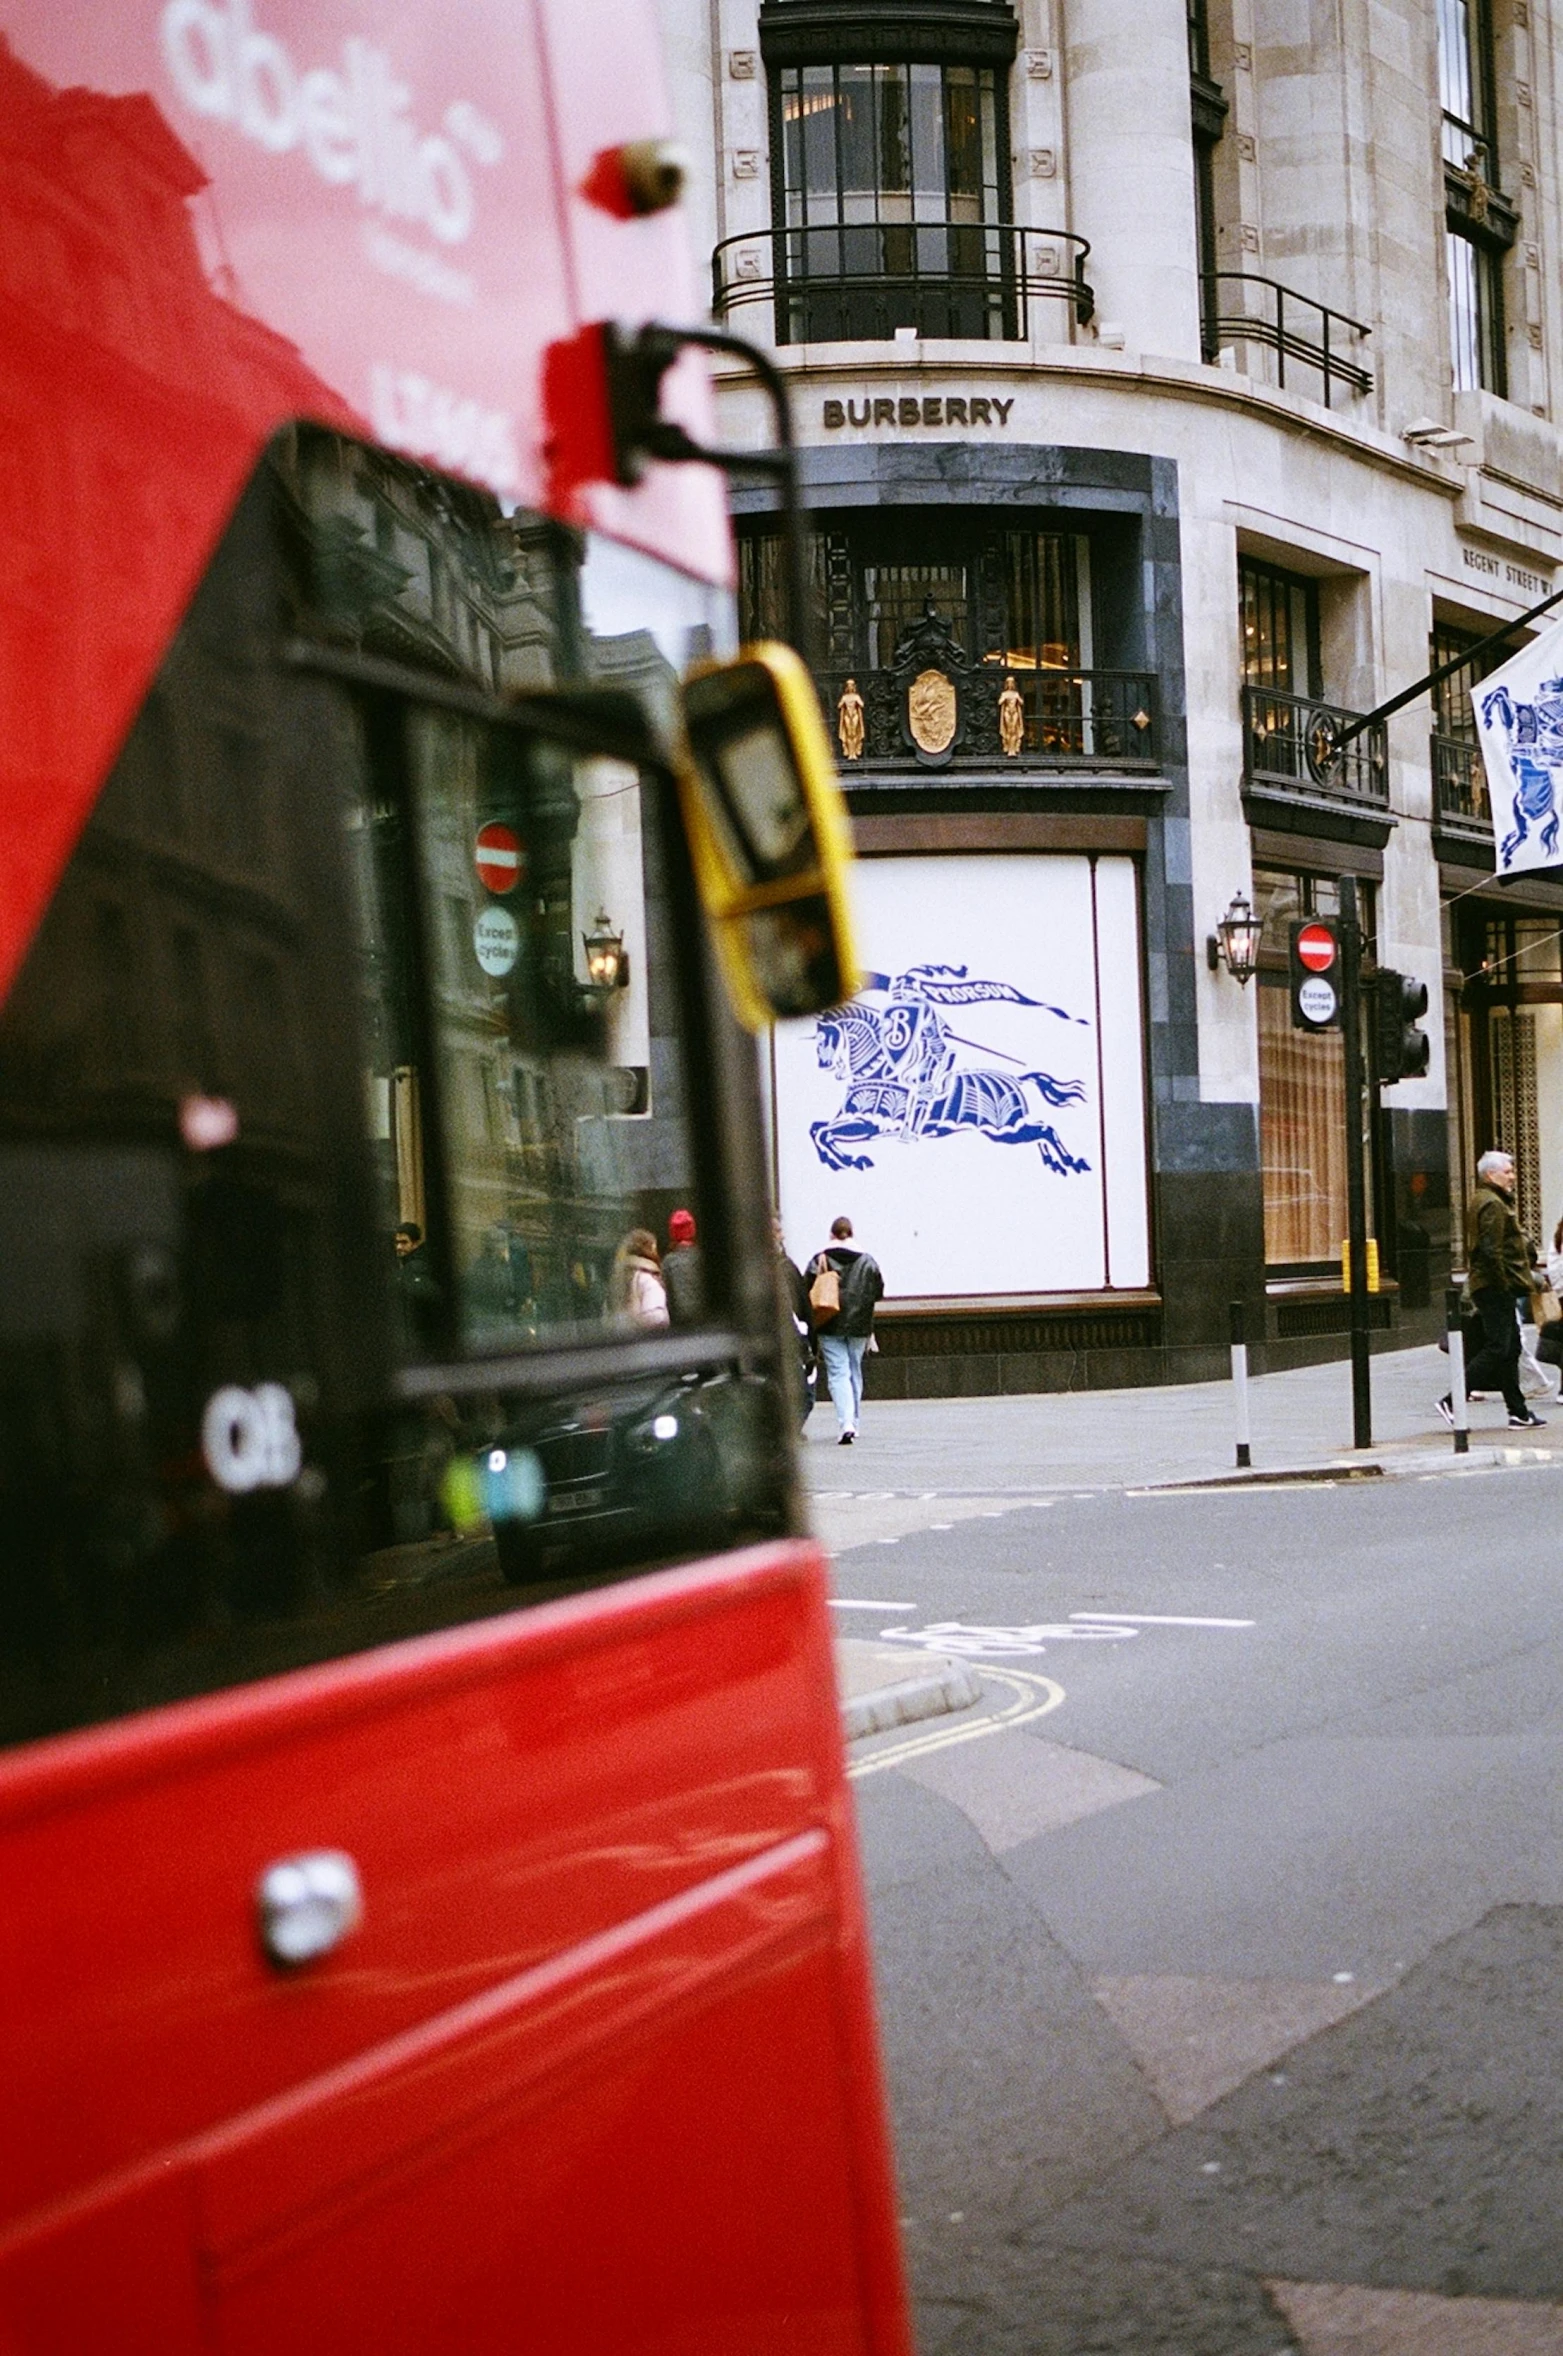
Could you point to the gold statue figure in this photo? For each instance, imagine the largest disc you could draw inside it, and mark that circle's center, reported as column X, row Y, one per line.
column 1012, row 717
column 849, row 722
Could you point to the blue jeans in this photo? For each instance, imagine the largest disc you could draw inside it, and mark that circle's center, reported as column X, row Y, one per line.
column 843, row 1356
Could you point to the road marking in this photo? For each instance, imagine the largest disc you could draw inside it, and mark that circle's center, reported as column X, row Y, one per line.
column 859, row 1603
column 1019, row 1712
column 1157, row 1620
column 978, row 1643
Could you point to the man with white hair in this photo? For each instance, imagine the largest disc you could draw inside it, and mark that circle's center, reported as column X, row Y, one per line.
column 1497, row 1277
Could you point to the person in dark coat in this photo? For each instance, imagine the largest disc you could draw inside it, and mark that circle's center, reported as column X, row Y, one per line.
column 844, row 1336
column 681, row 1271
column 1498, row 1279
column 800, row 1312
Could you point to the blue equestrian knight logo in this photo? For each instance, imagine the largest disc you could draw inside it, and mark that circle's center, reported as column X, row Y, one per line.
column 904, row 1078
column 1532, row 741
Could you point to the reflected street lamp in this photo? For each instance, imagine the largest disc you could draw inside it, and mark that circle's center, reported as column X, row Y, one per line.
column 607, row 966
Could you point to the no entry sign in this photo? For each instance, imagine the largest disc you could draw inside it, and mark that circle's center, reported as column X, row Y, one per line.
column 498, row 858
column 1315, row 946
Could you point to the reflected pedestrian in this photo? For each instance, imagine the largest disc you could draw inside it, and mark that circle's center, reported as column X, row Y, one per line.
column 682, row 1275
column 636, row 1290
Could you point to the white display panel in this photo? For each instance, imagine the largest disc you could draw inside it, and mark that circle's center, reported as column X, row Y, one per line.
column 978, row 1112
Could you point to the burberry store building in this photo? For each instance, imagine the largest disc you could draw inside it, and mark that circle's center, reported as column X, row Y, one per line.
column 1123, row 469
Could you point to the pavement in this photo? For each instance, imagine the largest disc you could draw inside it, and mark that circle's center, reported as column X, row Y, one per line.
column 931, row 1464
column 921, row 1463
column 1219, row 1943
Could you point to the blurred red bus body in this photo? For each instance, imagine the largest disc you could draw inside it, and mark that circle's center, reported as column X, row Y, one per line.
column 433, row 1909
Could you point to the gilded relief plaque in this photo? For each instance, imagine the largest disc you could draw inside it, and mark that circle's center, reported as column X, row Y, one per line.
column 932, row 711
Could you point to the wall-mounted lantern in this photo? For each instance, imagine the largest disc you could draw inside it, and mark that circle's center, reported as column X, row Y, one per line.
column 1235, row 941
column 607, row 966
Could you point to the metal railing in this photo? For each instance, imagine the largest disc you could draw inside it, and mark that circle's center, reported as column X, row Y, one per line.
column 1067, row 719
column 1288, row 749
column 858, row 282
column 1299, row 331
column 1460, row 785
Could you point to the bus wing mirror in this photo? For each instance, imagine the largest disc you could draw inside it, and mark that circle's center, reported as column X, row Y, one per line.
column 768, row 834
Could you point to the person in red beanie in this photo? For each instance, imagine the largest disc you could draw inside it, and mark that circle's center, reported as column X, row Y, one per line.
column 681, row 1271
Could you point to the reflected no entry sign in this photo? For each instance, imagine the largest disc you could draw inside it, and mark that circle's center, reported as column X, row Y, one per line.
column 499, row 858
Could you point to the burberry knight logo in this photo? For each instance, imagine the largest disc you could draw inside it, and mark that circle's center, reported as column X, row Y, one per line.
column 933, row 409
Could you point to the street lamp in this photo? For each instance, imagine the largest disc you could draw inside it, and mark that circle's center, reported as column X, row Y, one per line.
column 607, row 966
column 1235, row 941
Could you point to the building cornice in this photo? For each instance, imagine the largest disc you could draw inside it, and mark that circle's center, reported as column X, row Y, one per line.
column 1181, row 380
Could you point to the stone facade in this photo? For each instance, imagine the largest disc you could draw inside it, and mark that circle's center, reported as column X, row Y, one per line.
column 1266, row 373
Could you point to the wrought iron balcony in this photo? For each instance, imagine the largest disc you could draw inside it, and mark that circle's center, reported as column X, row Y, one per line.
column 1288, row 752
column 1301, row 333
column 858, row 282
column 991, row 717
column 1460, row 802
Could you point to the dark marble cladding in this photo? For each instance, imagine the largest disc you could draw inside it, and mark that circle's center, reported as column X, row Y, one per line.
column 1206, row 1202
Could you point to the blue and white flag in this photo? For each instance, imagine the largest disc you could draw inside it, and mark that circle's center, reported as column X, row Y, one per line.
column 1519, row 719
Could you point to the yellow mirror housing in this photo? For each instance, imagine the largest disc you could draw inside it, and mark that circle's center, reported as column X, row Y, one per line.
column 769, row 834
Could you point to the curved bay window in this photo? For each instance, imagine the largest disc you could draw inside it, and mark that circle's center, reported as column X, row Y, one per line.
column 1014, row 619
column 894, row 181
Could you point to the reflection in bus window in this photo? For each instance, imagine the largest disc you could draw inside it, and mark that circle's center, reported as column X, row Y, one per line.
column 311, row 1113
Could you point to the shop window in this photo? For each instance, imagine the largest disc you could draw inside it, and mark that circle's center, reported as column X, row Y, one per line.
column 1459, row 779
column 1008, row 610
column 1302, row 1143
column 1478, row 221
column 1509, row 1054
column 892, row 177
column 1280, row 625
column 1020, row 600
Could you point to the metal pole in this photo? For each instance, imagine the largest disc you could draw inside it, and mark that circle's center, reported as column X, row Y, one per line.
column 1356, row 1191
column 1462, row 1413
column 1240, row 1386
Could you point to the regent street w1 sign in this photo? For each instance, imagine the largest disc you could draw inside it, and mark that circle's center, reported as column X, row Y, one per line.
column 903, row 412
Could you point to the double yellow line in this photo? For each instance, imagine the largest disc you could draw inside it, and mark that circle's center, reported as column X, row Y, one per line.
column 1034, row 1698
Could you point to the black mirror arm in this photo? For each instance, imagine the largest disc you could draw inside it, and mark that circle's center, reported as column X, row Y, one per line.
column 1435, row 678
column 637, row 364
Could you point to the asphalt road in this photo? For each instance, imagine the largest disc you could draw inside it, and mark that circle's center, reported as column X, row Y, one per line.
column 1220, row 1965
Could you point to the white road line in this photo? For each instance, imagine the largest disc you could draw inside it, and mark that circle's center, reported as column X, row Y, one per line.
column 1022, row 1683
column 858, row 1603
column 1157, row 1620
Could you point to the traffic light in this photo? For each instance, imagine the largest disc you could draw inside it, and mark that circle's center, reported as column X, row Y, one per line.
column 1400, row 1050
column 1316, row 971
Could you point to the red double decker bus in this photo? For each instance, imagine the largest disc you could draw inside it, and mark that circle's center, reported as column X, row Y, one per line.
column 432, row 1919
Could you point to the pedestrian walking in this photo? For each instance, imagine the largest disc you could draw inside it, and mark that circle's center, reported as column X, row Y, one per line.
column 799, row 1311
column 1498, row 1280
column 636, row 1289
column 682, row 1275
column 844, row 1287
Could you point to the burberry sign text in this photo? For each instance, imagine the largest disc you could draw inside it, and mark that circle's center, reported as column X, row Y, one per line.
column 932, row 409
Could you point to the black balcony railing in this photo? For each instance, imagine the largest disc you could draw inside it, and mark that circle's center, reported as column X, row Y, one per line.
column 1288, row 745
column 1066, row 719
column 1460, row 799
column 859, row 282
column 1241, row 307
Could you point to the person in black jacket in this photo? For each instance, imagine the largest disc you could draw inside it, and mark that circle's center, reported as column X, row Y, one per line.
column 844, row 1335
column 799, row 1310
